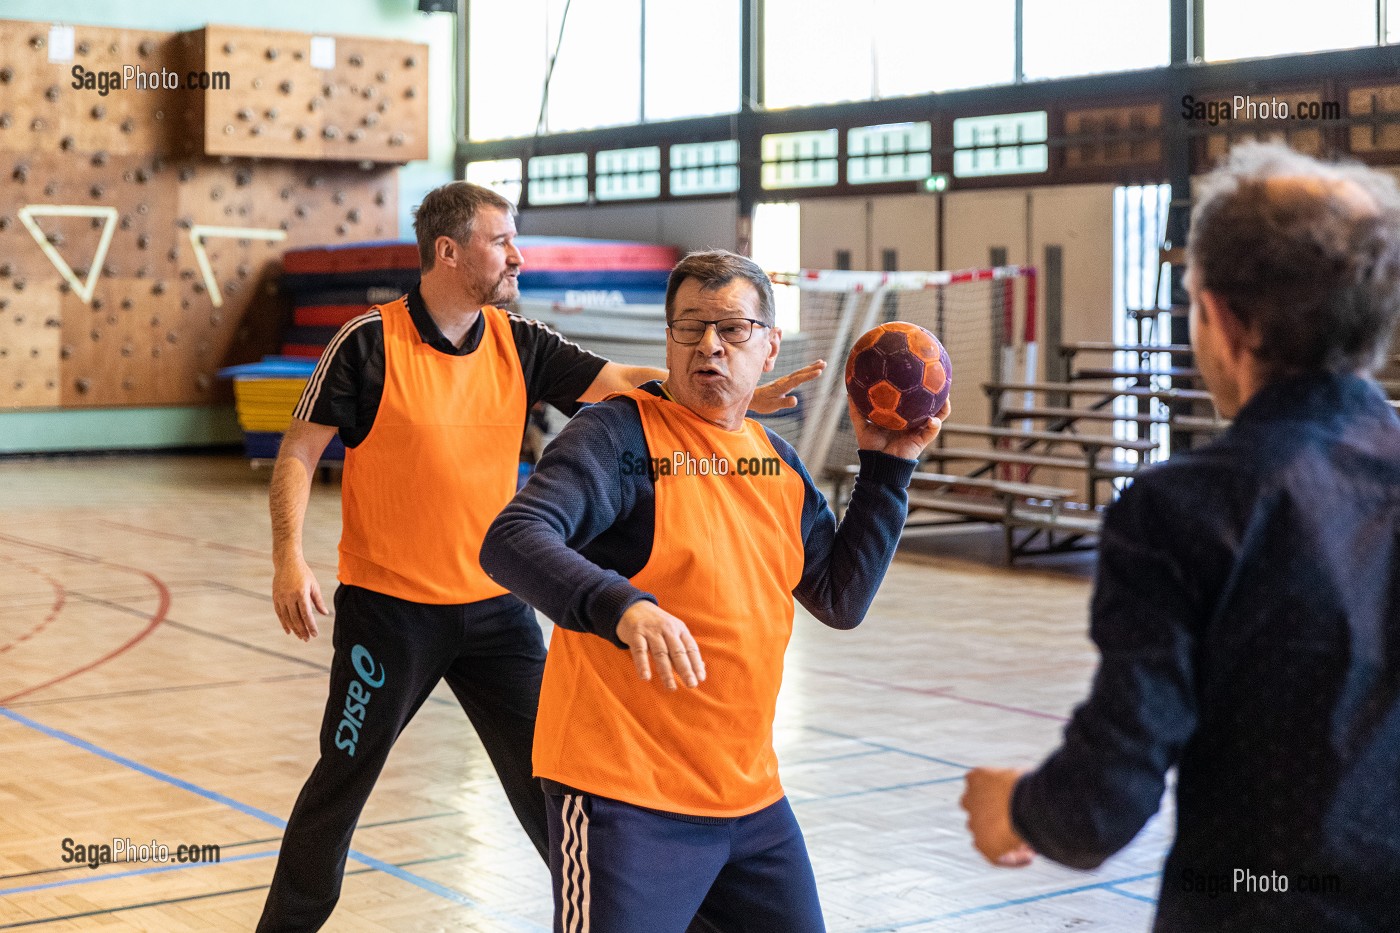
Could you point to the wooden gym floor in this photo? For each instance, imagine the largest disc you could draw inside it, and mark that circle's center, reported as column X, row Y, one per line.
column 147, row 693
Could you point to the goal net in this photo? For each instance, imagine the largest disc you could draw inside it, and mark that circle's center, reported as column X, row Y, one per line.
column 984, row 317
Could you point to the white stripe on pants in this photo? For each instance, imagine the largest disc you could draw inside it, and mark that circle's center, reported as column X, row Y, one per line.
column 575, row 894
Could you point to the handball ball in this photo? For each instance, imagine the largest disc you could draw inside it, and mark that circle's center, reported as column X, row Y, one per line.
column 898, row 375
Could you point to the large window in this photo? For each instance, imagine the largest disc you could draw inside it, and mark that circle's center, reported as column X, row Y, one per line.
column 777, row 247
column 821, row 51
column 1256, row 28
column 815, row 51
column 597, row 77
column 627, row 63
column 500, row 175
column 893, row 152
column 800, row 160
column 1068, row 37
column 941, row 45
column 1141, row 300
column 692, row 67
column 509, row 50
column 1005, row 144
column 605, row 49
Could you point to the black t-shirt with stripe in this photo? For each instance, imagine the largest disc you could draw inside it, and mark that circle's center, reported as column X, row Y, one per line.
column 345, row 390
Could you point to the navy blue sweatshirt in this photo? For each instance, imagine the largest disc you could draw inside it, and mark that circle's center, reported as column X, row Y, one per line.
column 584, row 523
column 1247, row 611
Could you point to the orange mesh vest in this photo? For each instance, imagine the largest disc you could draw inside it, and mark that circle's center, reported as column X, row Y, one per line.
column 438, row 465
column 726, row 556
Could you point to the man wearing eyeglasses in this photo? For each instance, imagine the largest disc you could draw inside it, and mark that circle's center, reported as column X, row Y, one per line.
column 684, row 574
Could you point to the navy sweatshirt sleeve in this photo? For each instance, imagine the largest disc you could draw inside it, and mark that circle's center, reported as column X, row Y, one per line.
column 583, row 525
column 1092, row 796
column 844, row 564
column 539, row 546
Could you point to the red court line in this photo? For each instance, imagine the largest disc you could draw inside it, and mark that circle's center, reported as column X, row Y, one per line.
column 156, row 618
column 1025, row 711
column 945, row 693
column 59, row 595
column 213, row 545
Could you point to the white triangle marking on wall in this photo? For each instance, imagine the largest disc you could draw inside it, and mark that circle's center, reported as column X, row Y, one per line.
column 197, row 234
column 83, row 289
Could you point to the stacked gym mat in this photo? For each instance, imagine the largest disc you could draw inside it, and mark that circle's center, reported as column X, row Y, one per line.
column 330, row 285
column 579, row 273
column 607, row 296
column 264, row 395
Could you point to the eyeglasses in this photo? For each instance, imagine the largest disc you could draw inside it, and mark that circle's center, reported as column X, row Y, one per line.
column 730, row 330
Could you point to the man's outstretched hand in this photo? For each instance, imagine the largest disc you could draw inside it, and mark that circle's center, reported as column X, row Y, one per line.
column 775, row 396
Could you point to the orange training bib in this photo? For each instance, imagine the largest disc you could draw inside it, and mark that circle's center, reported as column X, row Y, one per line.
column 726, row 556
column 437, row 467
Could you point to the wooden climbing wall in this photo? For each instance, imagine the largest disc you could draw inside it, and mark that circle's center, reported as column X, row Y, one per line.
column 139, row 242
column 373, row 104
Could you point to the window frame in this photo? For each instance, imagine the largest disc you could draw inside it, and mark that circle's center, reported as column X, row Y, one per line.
column 1157, row 149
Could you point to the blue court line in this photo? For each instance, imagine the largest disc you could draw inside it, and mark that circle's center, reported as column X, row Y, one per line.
column 144, row 769
column 1137, row 897
column 889, row 748
column 93, row 877
column 388, row 869
column 878, row 790
column 1016, row 902
column 864, row 753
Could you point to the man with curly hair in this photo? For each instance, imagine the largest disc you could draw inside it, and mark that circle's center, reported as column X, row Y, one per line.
column 1247, row 607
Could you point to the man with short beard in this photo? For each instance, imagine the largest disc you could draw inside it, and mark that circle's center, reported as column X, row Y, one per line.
column 430, row 395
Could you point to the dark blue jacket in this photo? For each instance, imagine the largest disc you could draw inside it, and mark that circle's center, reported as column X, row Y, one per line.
column 1247, row 611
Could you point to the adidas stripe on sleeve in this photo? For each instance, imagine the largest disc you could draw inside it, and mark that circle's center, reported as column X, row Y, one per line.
column 333, row 394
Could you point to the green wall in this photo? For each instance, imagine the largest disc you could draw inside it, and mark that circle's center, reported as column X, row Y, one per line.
column 144, row 428
column 51, row 430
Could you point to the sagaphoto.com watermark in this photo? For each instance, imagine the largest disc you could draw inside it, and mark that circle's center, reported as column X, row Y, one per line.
column 1239, row 881
column 1245, row 107
column 114, row 851
column 118, row 76
column 685, row 463
column 134, row 77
